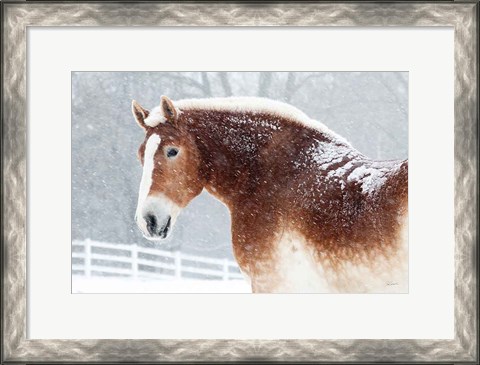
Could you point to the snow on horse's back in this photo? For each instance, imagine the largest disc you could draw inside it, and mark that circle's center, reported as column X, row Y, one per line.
column 309, row 212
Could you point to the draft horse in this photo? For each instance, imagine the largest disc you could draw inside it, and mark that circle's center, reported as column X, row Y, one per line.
column 309, row 212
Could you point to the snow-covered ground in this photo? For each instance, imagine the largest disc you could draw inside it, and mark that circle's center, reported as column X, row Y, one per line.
column 108, row 285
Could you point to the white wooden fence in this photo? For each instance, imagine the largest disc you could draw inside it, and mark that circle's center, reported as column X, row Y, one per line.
column 92, row 258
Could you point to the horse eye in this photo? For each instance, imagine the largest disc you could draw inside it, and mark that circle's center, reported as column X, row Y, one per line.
column 172, row 152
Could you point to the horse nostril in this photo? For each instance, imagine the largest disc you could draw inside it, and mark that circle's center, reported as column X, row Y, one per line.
column 151, row 223
column 167, row 227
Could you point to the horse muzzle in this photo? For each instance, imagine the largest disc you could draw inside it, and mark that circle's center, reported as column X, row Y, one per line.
column 156, row 218
column 155, row 229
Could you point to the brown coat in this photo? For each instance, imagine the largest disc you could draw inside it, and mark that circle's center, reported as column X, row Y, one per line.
column 298, row 196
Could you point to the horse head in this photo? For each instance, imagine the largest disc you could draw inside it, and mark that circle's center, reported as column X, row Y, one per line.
column 170, row 159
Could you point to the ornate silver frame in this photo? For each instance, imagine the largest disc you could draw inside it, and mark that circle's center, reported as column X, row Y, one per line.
column 18, row 15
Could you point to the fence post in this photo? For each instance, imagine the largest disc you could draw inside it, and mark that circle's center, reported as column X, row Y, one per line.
column 178, row 265
column 88, row 258
column 225, row 269
column 134, row 261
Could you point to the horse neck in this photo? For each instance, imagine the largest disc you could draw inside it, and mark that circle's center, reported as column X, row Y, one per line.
column 233, row 146
column 229, row 144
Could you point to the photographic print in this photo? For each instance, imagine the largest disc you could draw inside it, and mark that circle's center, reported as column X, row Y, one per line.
column 240, row 182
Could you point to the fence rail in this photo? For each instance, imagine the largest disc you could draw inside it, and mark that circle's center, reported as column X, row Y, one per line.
column 93, row 258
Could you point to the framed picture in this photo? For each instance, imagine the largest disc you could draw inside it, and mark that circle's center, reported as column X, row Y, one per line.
column 193, row 182
column 187, row 240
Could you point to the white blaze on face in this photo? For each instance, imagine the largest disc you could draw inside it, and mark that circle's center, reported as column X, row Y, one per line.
column 164, row 210
column 147, row 176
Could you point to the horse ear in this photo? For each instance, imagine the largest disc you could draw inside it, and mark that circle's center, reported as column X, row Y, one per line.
column 169, row 111
column 140, row 114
